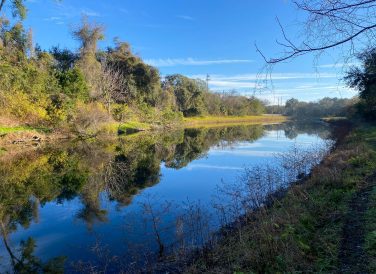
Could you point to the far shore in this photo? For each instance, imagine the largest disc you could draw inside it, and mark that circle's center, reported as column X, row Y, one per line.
column 212, row 121
column 27, row 134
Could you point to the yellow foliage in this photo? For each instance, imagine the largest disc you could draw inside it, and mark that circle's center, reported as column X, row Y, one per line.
column 21, row 106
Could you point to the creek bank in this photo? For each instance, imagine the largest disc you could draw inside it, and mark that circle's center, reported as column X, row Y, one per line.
column 303, row 228
column 26, row 135
column 225, row 245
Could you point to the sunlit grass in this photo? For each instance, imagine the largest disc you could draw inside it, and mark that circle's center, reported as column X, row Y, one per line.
column 232, row 120
column 133, row 126
column 6, row 130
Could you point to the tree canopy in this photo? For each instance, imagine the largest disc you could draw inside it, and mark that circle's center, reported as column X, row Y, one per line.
column 364, row 80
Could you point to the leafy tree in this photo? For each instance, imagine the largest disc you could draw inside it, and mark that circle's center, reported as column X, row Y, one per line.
column 73, row 84
column 325, row 107
column 88, row 35
column 18, row 8
column 189, row 94
column 364, row 80
column 64, row 58
column 291, row 106
column 141, row 81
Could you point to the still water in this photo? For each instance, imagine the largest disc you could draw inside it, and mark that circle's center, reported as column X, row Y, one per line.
column 88, row 203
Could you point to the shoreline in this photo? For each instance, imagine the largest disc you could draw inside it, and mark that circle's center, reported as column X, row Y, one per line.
column 306, row 225
column 232, row 120
column 15, row 135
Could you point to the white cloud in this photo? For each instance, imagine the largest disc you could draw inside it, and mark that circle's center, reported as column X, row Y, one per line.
column 55, row 19
column 185, row 17
column 303, row 86
column 246, row 153
column 52, row 18
column 170, row 62
column 273, row 76
column 90, row 13
column 206, row 166
column 303, row 81
column 339, row 65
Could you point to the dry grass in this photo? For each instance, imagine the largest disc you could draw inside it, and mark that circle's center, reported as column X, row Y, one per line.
column 8, row 121
column 212, row 121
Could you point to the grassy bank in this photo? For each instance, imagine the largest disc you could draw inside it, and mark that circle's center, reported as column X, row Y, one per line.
column 370, row 232
column 7, row 129
column 232, row 120
column 129, row 127
column 313, row 227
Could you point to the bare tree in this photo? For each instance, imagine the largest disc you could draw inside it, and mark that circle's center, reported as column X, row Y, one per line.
column 330, row 24
column 112, row 85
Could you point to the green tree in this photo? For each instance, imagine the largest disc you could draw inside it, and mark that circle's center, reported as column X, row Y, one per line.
column 364, row 80
column 88, row 35
column 141, row 81
column 64, row 58
column 291, row 106
column 17, row 7
column 73, row 84
column 189, row 94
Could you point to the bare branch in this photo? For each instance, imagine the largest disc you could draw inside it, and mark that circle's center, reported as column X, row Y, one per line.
column 329, row 25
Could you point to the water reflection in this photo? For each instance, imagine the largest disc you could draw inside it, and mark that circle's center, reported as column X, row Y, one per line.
column 89, row 171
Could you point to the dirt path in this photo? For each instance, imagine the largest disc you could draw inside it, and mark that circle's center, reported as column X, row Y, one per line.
column 352, row 256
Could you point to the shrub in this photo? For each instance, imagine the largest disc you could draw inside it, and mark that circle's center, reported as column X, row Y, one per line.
column 73, row 84
column 24, row 108
column 89, row 118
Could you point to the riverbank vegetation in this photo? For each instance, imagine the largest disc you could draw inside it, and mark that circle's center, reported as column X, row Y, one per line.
column 121, row 168
column 323, row 108
column 325, row 221
column 95, row 90
column 232, row 120
column 303, row 231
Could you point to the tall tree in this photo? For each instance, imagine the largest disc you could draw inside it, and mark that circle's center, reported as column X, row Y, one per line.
column 364, row 80
column 18, row 8
column 88, row 35
column 188, row 93
column 142, row 81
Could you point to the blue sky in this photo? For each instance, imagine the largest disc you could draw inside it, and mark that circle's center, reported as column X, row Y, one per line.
column 197, row 37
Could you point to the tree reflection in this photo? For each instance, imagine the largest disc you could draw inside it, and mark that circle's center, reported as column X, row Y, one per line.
column 23, row 260
column 86, row 171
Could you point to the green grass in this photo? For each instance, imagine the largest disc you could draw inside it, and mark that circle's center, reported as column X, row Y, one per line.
column 302, row 232
column 370, row 238
column 6, row 130
column 132, row 127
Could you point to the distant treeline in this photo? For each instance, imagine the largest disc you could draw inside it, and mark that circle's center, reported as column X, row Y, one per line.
column 326, row 107
column 92, row 87
column 361, row 78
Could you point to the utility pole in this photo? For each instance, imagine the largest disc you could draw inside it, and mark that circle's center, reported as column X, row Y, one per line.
column 278, row 104
column 207, row 82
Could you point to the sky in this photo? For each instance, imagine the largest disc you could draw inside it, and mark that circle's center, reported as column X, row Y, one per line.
column 200, row 37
